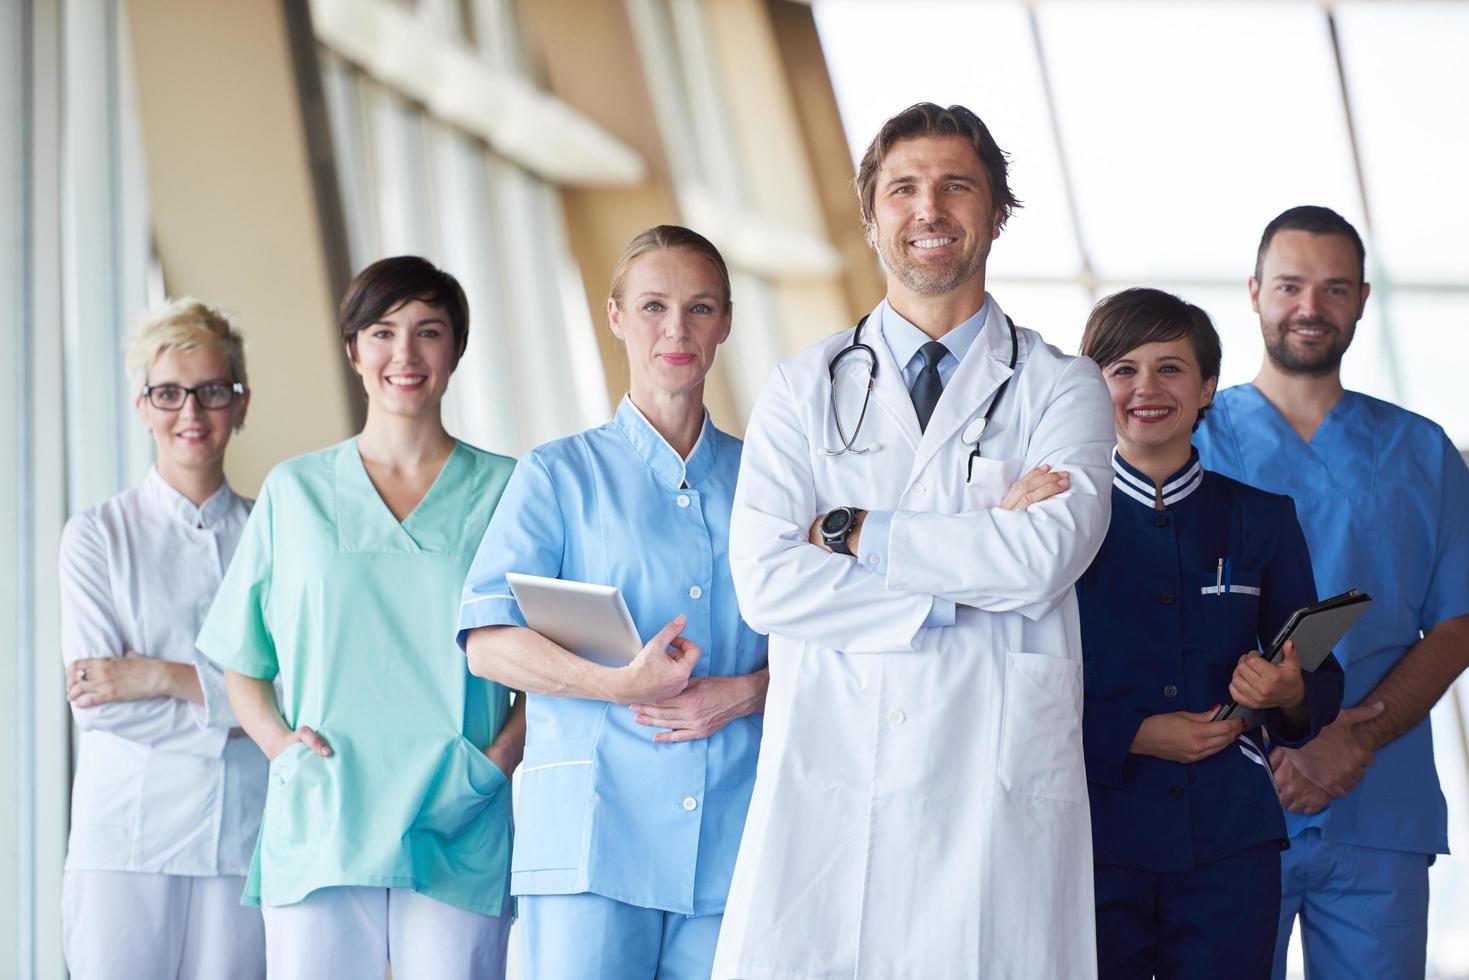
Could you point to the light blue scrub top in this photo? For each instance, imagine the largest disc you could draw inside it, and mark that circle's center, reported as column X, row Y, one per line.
column 600, row 806
column 1383, row 497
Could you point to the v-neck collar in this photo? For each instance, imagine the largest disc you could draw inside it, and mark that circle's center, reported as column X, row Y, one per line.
column 365, row 523
column 1339, row 414
column 1179, row 486
column 665, row 462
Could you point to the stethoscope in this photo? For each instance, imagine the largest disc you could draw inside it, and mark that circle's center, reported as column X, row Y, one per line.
column 972, row 433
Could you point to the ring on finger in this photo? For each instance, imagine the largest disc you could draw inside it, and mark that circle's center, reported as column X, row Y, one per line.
column 82, row 674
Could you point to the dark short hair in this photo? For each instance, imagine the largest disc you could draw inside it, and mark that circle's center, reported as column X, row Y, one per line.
column 928, row 119
column 1125, row 321
column 1316, row 220
column 387, row 284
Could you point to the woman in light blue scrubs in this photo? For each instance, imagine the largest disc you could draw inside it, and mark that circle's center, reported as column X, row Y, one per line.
column 635, row 782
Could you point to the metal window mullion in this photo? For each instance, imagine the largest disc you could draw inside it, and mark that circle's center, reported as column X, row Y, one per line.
column 1390, row 363
column 1088, row 275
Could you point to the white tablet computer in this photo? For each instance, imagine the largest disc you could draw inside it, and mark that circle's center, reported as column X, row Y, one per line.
column 590, row 620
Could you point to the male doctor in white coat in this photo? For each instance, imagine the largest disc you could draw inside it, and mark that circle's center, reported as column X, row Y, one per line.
column 920, row 808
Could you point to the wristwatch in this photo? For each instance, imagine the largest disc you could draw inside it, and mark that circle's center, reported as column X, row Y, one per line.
column 835, row 527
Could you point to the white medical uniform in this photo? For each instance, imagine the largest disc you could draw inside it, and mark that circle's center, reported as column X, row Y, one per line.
column 920, row 805
column 166, row 803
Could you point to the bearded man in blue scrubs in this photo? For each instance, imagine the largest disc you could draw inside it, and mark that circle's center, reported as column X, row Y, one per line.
column 1383, row 497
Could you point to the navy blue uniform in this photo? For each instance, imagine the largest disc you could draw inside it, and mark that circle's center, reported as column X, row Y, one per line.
column 1188, row 855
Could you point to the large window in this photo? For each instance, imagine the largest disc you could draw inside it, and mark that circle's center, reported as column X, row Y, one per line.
column 1152, row 142
column 414, row 182
column 75, row 265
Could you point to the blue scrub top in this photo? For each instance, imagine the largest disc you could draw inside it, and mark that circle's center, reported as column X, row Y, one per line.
column 600, row 806
column 1383, row 497
column 1162, row 626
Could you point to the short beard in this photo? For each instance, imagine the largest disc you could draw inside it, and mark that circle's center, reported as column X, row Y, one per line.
column 933, row 281
column 1326, row 361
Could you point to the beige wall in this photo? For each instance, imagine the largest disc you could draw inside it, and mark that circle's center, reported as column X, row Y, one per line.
column 585, row 54
column 235, row 212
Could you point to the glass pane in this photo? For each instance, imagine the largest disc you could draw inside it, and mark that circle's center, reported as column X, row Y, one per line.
column 1431, row 345
column 1057, row 311
column 1189, row 126
column 883, row 57
column 1409, row 83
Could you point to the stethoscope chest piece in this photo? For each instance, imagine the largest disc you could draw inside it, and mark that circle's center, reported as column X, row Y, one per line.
column 974, row 431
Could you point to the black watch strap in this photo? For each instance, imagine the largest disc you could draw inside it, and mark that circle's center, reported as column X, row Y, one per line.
column 837, row 540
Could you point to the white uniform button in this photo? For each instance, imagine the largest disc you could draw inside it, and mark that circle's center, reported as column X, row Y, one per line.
column 695, row 592
column 689, row 803
column 897, row 717
column 683, row 500
column 872, row 559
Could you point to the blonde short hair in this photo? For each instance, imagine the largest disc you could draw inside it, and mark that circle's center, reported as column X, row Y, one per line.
column 669, row 238
column 187, row 324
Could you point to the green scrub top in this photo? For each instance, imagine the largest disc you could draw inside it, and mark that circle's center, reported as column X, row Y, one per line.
column 357, row 614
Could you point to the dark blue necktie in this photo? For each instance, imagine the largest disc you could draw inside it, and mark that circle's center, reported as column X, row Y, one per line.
column 928, row 386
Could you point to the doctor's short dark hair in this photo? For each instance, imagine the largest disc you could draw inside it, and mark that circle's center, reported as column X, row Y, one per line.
column 387, row 284
column 1127, row 320
column 1315, row 220
column 928, row 119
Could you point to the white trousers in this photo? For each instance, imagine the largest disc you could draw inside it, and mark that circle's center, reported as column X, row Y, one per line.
column 352, row 933
column 130, row 925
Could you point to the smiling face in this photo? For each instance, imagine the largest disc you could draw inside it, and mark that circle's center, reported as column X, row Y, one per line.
column 405, row 359
column 1157, row 391
column 1310, row 296
column 672, row 316
column 932, row 217
column 192, row 438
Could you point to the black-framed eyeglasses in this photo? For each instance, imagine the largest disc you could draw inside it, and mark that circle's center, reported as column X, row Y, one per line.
column 211, row 395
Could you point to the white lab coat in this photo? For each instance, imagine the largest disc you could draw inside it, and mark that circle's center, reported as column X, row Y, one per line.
column 920, row 807
column 161, row 786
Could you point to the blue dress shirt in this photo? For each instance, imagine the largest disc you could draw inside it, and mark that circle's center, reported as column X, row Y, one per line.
column 601, row 807
column 1383, row 497
column 904, row 340
column 1163, row 624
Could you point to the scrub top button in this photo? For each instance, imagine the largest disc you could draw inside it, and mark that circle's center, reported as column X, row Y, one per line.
column 897, row 717
column 1176, row 792
column 1161, row 520
column 695, row 592
column 1170, row 691
column 683, row 500
column 1166, row 598
column 689, row 803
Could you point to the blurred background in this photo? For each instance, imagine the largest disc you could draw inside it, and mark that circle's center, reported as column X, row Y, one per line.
column 255, row 153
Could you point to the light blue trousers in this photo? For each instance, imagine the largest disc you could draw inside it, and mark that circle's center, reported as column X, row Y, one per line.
column 1364, row 910
column 588, row 937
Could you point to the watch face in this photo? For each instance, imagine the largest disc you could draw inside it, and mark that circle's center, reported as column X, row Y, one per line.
column 836, row 522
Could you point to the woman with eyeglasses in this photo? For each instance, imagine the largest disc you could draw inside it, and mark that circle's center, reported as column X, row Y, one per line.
column 386, row 834
column 167, row 797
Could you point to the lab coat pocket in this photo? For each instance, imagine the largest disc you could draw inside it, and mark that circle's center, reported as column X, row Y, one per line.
column 302, row 803
column 1040, row 738
column 553, row 800
column 987, row 482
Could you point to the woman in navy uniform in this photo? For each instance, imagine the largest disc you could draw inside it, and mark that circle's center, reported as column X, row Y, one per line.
column 1196, row 572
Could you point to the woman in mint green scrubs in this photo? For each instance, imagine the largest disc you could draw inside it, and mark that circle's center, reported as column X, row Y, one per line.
column 386, row 832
